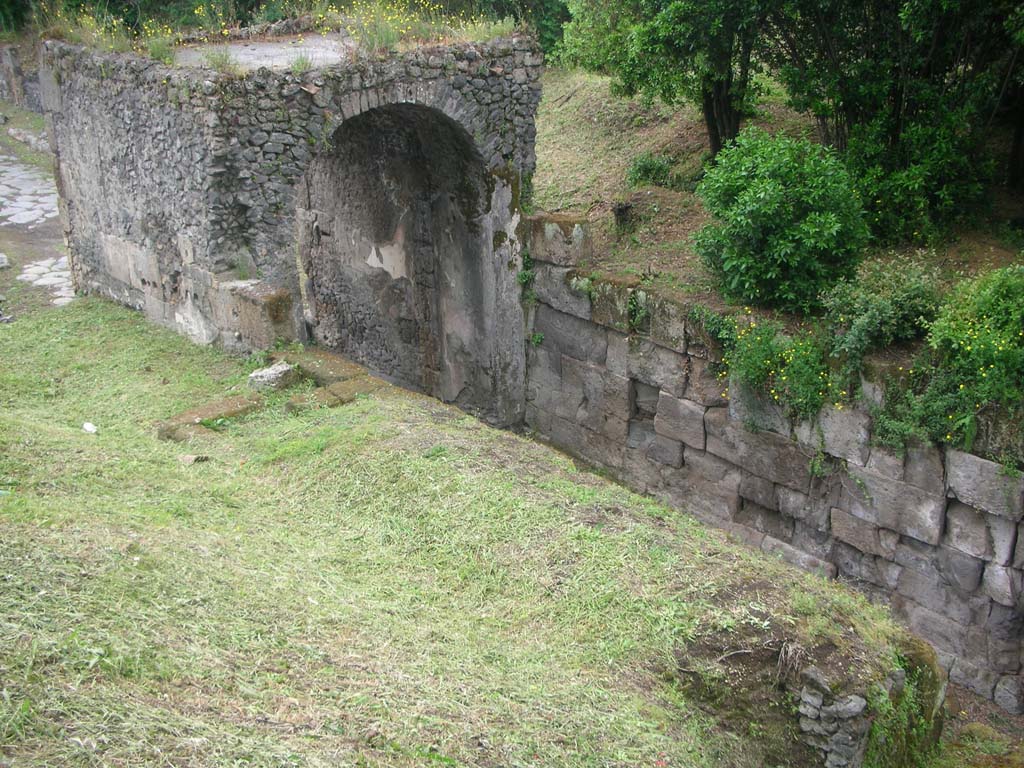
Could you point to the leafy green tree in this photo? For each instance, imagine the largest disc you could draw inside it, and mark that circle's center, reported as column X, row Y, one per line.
column 787, row 221
column 700, row 51
column 908, row 89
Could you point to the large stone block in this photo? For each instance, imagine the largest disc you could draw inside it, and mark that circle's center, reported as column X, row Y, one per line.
column 639, row 472
column 681, row 420
column 1009, row 694
column 846, row 434
column 571, row 336
column 601, row 450
column 707, row 467
column 959, row 570
column 891, row 504
column 657, row 366
column 617, row 360
column 923, row 468
column 928, row 590
column 985, row 485
column 593, row 397
column 665, row 450
column 760, row 491
column 559, row 239
column 761, row 518
column 1004, row 630
column 544, row 377
column 799, row 558
column 974, row 678
column 556, row 287
column 941, row 631
column 1018, row 558
column 966, row 530
column 703, row 384
column 764, row 454
column 884, row 462
column 859, row 533
column 755, row 411
column 815, row 511
column 609, row 305
column 1004, row 585
column 668, row 323
column 709, row 502
column 1003, row 535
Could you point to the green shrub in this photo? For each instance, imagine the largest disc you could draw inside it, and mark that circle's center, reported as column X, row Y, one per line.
column 974, row 377
column 914, row 190
column 788, row 223
column 649, row 168
column 886, row 303
column 791, row 369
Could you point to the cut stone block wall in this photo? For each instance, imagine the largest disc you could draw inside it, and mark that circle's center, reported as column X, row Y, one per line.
column 936, row 533
column 206, row 200
column 19, row 81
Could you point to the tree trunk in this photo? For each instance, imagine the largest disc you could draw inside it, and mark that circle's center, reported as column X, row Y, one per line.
column 1016, row 170
column 711, row 122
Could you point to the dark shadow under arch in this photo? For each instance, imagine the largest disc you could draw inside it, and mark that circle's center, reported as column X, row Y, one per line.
column 396, row 243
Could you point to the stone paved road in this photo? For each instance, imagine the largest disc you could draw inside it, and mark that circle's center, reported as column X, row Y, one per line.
column 26, row 195
column 28, row 198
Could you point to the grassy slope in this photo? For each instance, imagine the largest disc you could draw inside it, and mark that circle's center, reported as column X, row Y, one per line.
column 388, row 583
column 587, row 138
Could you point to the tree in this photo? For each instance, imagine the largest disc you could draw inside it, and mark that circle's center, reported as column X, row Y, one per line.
column 675, row 50
column 907, row 89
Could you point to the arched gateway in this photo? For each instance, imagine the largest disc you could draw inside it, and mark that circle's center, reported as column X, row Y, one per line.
column 370, row 205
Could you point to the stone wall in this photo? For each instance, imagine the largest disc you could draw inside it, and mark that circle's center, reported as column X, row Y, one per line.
column 627, row 381
column 197, row 198
column 19, row 80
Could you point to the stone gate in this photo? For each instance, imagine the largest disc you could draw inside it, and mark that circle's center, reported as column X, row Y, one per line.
column 369, row 204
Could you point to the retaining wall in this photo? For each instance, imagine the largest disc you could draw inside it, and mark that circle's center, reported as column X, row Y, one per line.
column 936, row 533
column 19, row 80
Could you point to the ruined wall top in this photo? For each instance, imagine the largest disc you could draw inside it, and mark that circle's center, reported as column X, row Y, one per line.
column 199, row 168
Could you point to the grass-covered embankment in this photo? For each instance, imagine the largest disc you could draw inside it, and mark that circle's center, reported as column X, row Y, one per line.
column 386, row 583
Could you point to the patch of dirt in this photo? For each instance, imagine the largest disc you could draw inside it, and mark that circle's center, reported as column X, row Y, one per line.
column 964, row 708
column 745, row 684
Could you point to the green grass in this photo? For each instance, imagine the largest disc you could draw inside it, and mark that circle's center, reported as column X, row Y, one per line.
column 26, row 121
column 387, row 583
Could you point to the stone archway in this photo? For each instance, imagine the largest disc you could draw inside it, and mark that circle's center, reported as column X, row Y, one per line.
column 398, row 232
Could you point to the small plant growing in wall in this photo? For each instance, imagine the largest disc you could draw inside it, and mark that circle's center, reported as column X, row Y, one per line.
column 639, row 313
column 525, row 279
column 536, row 339
column 221, row 60
column 301, row 64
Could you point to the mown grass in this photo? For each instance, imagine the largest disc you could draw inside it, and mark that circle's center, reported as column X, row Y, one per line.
column 23, row 120
column 387, row 583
